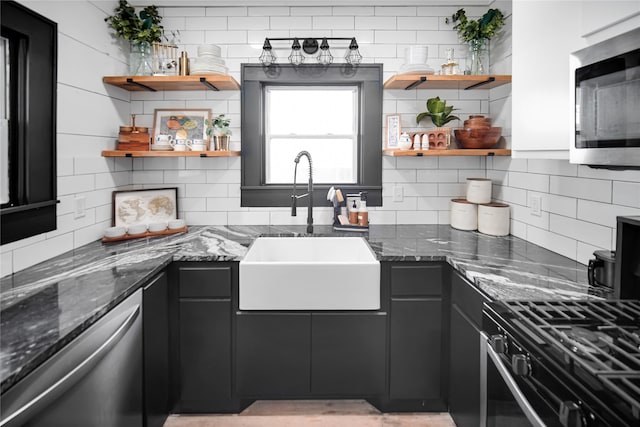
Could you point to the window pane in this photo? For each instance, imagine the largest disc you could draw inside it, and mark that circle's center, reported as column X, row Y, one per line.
column 311, row 111
column 334, row 160
column 321, row 120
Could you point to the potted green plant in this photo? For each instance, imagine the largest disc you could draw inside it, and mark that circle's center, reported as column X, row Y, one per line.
column 218, row 129
column 140, row 30
column 477, row 33
column 440, row 113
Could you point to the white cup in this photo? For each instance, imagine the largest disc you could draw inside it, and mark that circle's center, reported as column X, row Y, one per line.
column 198, row 141
column 180, row 142
column 181, row 147
column 164, row 139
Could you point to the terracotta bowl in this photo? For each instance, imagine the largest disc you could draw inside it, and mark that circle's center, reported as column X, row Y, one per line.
column 478, row 138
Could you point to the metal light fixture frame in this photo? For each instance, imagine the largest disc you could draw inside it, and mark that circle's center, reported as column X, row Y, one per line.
column 310, row 46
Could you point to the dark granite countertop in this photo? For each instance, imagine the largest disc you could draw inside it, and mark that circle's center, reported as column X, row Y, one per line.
column 44, row 307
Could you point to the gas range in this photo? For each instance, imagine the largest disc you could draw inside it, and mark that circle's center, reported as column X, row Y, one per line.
column 582, row 358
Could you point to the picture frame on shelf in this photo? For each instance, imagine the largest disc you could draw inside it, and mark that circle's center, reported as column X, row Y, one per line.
column 393, row 130
column 186, row 123
column 130, row 207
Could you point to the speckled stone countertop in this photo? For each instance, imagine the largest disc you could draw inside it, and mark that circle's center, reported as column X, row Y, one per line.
column 44, row 307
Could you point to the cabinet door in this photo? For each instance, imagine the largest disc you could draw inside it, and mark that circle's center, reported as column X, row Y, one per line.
column 416, row 347
column 348, row 354
column 205, row 354
column 464, row 375
column 155, row 323
column 273, row 354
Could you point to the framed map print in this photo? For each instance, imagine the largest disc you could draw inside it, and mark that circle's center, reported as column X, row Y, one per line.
column 144, row 206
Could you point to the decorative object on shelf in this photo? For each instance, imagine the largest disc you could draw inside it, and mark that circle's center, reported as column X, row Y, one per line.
column 143, row 207
column 140, row 30
column 209, row 61
column 180, row 124
column 440, row 113
column 477, row 33
column 416, row 61
column 183, row 65
column 310, row 47
column 405, row 141
column 165, row 59
column 432, row 139
column 478, row 133
column 133, row 137
column 219, row 131
column 451, row 66
column 393, row 131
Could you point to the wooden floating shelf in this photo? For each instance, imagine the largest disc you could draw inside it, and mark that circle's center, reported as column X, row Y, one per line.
column 155, row 83
column 436, row 81
column 123, row 153
column 454, row 152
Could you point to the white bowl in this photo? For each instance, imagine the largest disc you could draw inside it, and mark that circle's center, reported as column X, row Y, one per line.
column 113, row 232
column 155, row 227
column 175, row 224
column 137, row 229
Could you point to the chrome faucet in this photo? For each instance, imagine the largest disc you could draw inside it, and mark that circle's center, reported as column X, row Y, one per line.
column 308, row 194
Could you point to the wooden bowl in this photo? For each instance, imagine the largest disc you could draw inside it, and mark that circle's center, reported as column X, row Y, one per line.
column 478, row 138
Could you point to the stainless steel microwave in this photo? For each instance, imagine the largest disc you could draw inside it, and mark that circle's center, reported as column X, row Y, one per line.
column 607, row 103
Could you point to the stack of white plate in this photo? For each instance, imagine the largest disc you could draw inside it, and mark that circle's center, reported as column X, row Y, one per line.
column 416, row 61
column 208, row 61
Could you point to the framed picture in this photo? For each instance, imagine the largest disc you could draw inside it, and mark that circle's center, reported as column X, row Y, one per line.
column 180, row 124
column 393, row 131
column 144, row 206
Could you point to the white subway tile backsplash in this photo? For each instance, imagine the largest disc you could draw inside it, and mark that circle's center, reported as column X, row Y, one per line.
column 579, row 204
column 581, row 231
column 626, row 194
column 581, row 188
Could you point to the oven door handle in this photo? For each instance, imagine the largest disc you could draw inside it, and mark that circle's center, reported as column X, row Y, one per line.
column 524, row 404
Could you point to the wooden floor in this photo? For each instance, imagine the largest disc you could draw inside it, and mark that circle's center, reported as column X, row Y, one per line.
column 312, row 413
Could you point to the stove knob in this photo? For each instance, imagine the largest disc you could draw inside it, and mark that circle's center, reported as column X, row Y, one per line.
column 499, row 343
column 570, row 415
column 520, row 365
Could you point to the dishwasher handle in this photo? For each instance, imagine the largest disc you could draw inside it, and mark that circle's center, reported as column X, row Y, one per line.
column 503, row 370
column 31, row 408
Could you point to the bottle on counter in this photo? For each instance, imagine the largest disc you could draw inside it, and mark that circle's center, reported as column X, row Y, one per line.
column 363, row 212
column 353, row 214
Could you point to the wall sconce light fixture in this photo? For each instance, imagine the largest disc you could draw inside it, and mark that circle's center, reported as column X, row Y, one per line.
column 310, row 46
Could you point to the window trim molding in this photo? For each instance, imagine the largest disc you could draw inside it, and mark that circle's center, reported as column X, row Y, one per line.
column 36, row 212
column 254, row 77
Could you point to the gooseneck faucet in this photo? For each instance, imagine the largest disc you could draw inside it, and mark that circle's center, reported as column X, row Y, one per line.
column 308, row 194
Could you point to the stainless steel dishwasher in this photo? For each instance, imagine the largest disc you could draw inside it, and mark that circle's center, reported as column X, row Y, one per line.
column 96, row 380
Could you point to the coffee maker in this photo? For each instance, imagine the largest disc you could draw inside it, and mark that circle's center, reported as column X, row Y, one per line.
column 627, row 265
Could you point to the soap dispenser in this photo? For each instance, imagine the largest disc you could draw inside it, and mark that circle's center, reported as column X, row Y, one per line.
column 363, row 212
column 353, row 213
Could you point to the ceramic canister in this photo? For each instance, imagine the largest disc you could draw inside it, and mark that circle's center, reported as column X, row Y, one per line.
column 479, row 190
column 493, row 219
column 464, row 215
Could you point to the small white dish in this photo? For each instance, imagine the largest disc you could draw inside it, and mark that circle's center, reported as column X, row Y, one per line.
column 176, row 224
column 113, row 232
column 137, row 229
column 161, row 147
column 156, row 227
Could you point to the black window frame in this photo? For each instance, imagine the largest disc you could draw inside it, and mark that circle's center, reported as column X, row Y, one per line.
column 32, row 125
column 255, row 78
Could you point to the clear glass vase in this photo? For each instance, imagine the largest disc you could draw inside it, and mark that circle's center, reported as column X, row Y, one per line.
column 140, row 59
column 478, row 57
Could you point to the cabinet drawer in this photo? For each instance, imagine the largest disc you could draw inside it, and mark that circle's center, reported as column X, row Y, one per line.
column 467, row 298
column 416, row 280
column 209, row 282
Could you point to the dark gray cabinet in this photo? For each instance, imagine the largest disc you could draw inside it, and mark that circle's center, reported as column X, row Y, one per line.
column 273, row 354
column 464, row 371
column 155, row 323
column 204, row 338
column 304, row 354
column 418, row 332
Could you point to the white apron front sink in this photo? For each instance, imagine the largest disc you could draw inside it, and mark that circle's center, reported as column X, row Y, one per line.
column 309, row 273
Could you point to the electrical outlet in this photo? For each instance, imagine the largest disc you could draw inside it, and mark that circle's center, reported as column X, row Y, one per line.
column 79, row 207
column 398, row 193
column 535, row 204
